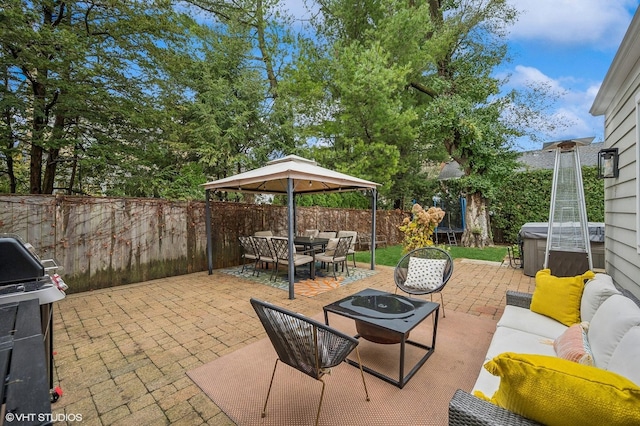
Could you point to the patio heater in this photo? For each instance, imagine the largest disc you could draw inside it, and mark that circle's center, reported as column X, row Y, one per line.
column 568, row 251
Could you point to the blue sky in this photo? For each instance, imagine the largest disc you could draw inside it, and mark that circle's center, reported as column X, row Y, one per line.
column 566, row 44
column 569, row 44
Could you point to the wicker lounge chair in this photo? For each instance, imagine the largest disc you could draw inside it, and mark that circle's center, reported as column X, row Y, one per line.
column 424, row 271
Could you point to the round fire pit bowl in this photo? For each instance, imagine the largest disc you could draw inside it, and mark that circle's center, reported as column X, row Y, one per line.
column 377, row 334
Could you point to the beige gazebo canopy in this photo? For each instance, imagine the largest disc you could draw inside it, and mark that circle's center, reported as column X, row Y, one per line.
column 307, row 178
column 290, row 175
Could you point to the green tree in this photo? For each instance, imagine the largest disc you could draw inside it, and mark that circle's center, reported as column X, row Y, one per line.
column 241, row 115
column 392, row 86
column 466, row 110
column 351, row 96
column 81, row 85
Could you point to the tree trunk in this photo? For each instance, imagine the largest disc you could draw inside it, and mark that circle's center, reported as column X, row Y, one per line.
column 53, row 155
column 37, row 78
column 264, row 49
column 72, row 178
column 37, row 138
column 478, row 222
column 13, row 183
column 50, row 171
column 35, row 169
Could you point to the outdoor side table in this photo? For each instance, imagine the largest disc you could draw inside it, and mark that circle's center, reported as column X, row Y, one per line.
column 387, row 318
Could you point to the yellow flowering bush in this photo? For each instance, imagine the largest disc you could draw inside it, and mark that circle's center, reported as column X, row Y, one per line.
column 420, row 228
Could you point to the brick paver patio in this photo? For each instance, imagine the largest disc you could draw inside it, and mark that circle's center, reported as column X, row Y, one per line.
column 122, row 353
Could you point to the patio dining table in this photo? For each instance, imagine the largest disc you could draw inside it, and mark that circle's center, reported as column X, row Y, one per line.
column 310, row 246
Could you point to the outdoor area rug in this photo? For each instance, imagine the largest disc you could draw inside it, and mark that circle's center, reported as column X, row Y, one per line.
column 303, row 284
column 238, row 382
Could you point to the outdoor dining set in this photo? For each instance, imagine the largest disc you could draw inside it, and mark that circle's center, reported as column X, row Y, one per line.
column 265, row 250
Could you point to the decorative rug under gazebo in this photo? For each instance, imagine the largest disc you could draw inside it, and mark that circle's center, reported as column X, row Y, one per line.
column 303, row 285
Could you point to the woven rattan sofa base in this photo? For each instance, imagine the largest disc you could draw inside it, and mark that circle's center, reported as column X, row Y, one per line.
column 467, row 410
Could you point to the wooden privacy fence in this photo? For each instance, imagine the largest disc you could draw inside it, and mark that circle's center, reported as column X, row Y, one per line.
column 105, row 242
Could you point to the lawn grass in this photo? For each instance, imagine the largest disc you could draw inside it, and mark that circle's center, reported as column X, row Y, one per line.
column 390, row 255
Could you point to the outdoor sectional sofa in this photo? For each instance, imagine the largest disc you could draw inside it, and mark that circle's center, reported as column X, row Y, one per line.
column 540, row 378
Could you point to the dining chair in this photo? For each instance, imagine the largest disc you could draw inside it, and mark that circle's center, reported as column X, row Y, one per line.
column 307, row 345
column 266, row 253
column 327, row 234
column 336, row 253
column 281, row 250
column 352, row 247
column 425, row 270
column 249, row 252
column 266, row 233
column 515, row 260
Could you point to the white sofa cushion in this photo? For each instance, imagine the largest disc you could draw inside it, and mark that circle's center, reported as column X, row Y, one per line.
column 486, row 383
column 626, row 356
column 613, row 319
column 595, row 292
column 507, row 339
column 525, row 320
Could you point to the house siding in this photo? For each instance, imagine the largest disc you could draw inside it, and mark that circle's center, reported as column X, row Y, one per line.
column 622, row 257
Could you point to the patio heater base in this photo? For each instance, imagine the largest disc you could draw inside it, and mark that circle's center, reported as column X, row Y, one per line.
column 567, row 263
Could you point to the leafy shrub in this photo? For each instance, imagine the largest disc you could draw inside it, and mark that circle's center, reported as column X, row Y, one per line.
column 526, row 197
column 420, row 228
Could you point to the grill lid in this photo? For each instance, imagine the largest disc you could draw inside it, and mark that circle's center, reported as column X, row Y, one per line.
column 17, row 263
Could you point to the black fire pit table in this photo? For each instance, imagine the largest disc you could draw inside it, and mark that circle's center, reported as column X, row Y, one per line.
column 387, row 318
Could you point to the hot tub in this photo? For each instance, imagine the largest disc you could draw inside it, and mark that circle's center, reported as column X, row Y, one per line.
column 534, row 244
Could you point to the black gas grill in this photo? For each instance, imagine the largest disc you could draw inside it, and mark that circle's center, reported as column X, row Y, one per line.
column 26, row 281
column 24, row 276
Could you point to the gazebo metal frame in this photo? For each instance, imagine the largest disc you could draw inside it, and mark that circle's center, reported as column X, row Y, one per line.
column 290, row 175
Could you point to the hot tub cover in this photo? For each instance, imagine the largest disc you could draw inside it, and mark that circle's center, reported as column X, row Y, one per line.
column 539, row 230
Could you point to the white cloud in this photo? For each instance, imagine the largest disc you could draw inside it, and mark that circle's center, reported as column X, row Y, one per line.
column 592, row 91
column 573, row 28
column 571, row 107
column 524, row 76
column 573, row 22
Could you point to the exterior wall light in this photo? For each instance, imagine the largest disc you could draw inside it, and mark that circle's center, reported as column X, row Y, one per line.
column 608, row 163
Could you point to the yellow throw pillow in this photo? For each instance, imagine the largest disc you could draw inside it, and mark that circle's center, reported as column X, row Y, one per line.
column 559, row 297
column 554, row 391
